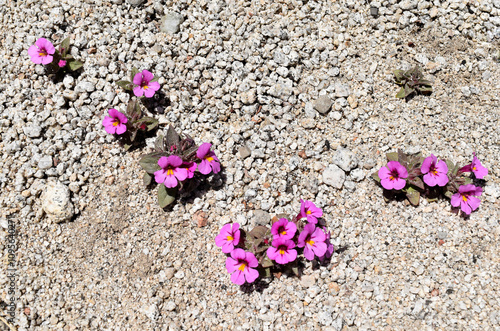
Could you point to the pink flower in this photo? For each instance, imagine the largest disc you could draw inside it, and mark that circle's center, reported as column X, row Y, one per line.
column 191, row 167
column 392, row 176
column 313, row 241
column 144, row 84
column 466, row 199
column 309, row 210
column 283, row 229
column 476, row 167
column 41, row 52
column 282, row 251
column 240, row 264
column 209, row 162
column 435, row 172
column 61, row 63
column 115, row 122
column 228, row 237
column 170, row 171
column 329, row 248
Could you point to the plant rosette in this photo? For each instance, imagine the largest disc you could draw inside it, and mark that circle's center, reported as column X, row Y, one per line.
column 280, row 247
column 415, row 176
column 56, row 59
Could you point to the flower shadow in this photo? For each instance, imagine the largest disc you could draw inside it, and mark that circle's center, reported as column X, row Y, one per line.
column 157, row 103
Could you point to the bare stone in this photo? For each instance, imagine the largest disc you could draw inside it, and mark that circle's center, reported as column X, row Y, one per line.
column 323, row 104
column 56, row 202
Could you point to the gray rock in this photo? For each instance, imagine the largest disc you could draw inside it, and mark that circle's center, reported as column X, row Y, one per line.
column 32, row 131
column 135, row 2
column 170, row 306
column 466, row 91
column 334, row 176
column 56, row 202
column 250, row 193
column 248, row 97
column 325, row 318
column 357, row 175
column 337, row 324
column 408, row 4
column 171, row 22
column 261, row 217
column 244, row 152
column 323, row 104
column 85, row 86
column 342, row 90
column 45, row 162
column 345, row 159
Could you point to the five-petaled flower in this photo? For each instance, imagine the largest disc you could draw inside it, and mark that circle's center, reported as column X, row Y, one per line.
column 465, row 198
column 282, row 251
column 41, row 52
column 170, row 171
column 61, row 63
column 476, row 167
column 228, row 237
column 435, row 172
column 209, row 162
column 144, row 85
column 115, row 122
column 283, row 229
column 241, row 265
column 310, row 211
column 313, row 241
column 393, row 176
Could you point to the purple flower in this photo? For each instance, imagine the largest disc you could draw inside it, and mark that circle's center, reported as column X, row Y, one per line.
column 310, row 211
column 115, row 122
column 435, row 172
column 466, row 199
column 191, row 167
column 240, row 264
column 283, row 229
column 228, row 237
column 313, row 241
column 170, row 171
column 282, row 251
column 392, row 176
column 209, row 162
column 329, row 248
column 144, row 85
column 61, row 63
column 41, row 52
column 476, row 167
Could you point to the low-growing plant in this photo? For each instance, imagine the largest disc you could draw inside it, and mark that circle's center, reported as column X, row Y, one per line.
column 257, row 253
column 411, row 81
column 416, row 176
column 44, row 52
column 129, row 126
column 142, row 83
column 178, row 165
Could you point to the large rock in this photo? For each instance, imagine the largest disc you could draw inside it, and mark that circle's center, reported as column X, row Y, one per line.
column 56, row 202
column 323, row 104
column 345, row 159
column 334, row 176
column 171, row 22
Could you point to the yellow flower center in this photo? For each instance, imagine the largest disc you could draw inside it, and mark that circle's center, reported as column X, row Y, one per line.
column 229, row 238
column 474, row 168
column 464, row 198
column 391, row 177
column 308, row 212
column 116, row 122
column 42, row 52
column 434, row 172
column 170, row 172
column 283, row 232
column 145, row 87
column 310, row 242
column 242, row 266
column 282, row 251
column 209, row 159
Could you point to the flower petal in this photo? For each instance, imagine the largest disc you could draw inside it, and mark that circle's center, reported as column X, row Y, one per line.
column 474, row 202
column 147, row 76
column 465, row 207
column 170, row 181
column 251, row 260
column 137, row 80
column 174, row 161
column 47, row 59
column 204, row 167
column 238, row 278
column 308, row 253
column 163, row 162
column 455, row 199
column 272, row 253
column 148, row 93
column 138, row 91
column 387, row 183
column 181, row 173
column 231, row 265
column 430, row 179
column 203, row 150
column 399, row 184
column 384, row 173
column 160, row 176
column 121, row 128
column 251, row 275
column 238, row 253
column 426, row 165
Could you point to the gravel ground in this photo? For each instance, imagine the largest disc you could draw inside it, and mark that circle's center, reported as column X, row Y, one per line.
column 298, row 100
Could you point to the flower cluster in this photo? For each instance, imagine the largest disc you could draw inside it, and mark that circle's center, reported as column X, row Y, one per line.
column 178, row 165
column 143, row 83
column 256, row 253
column 416, row 176
column 44, row 52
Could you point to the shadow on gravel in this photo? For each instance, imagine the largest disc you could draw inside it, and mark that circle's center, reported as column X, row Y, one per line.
column 258, row 286
column 157, row 103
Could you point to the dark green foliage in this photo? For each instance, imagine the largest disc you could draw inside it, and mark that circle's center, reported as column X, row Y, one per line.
column 411, row 81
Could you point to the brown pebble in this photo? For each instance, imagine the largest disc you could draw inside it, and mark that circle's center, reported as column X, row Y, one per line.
column 200, row 218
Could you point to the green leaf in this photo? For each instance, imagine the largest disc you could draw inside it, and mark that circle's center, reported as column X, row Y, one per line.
column 425, row 89
column 155, row 79
column 146, row 179
column 401, row 94
column 259, row 232
column 265, row 273
column 134, row 72
column 74, row 65
column 159, row 143
column 125, row 84
column 296, row 271
column 424, row 82
column 376, row 177
column 399, row 74
column 172, row 138
column 408, row 90
column 150, row 122
column 413, row 196
column 166, row 196
column 448, row 194
column 64, row 47
column 392, row 156
column 150, row 163
column 416, row 181
column 127, row 146
column 266, row 262
column 280, row 216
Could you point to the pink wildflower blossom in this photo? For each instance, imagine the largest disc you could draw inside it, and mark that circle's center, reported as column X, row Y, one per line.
column 435, row 172
column 283, row 229
column 476, row 167
column 115, row 122
column 209, row 162
column 329, row 248
column 41, row 52
column 144, row 85
column 61, row 63
column 310, row 211
column 228, row 237
column 393, row 176
column 191, row 167
column 170, row 171
column 282, row 251
column 465, row 198
column 313, row 240
column 241, row 265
